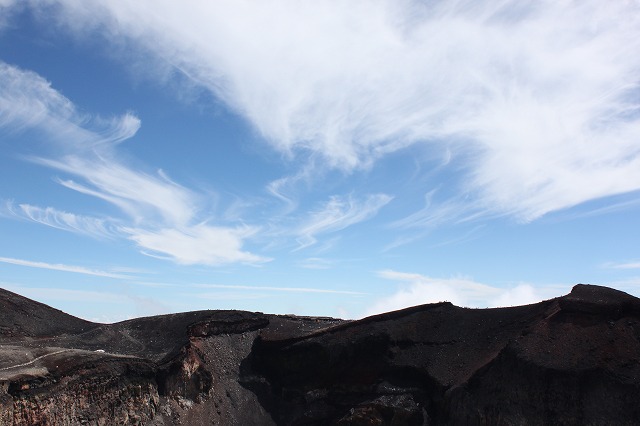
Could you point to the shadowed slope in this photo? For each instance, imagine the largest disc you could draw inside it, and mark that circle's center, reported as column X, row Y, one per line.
column 21, row 317
column 545, row 363
column 572, row 360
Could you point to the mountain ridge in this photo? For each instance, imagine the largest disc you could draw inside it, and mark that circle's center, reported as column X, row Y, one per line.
column 568, row 360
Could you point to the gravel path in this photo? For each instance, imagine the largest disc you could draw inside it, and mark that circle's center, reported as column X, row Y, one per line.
column 35, row 359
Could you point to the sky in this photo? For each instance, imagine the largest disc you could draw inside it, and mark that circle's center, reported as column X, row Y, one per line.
column 333, row 158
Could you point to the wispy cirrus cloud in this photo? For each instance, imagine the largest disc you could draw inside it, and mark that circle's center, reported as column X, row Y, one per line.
column 337, row 214
column 6, row 7
column 49, row 216
column 142, row 196
column 162, row 217
column 64, row 294
column 198, row 244
column 280, row 289
column 64, row 268
column 28, row 100
column 536, row 100
column 316, row 263
column 623, row 265
column 432, row 216
column 416, row 289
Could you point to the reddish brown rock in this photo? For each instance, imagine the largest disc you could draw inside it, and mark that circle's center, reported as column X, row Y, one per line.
column 571, row 360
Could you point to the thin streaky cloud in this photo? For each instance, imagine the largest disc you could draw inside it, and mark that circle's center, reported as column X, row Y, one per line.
column 631, row 284
column 152, row 284
column 49, row 216
column 276, row 189
column 64, row 268
column 623, row 265
column 433, row 214
column 317, row 263
column 280, row 289
column 611, row 207
column 337, row 214
column 231, row 296
column 66, row 295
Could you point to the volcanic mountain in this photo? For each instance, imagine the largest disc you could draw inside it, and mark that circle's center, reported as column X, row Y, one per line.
column 572, row 360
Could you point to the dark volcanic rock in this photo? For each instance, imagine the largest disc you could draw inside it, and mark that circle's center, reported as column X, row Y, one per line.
column 572, row 360
column 22, row 317
column 165, row 370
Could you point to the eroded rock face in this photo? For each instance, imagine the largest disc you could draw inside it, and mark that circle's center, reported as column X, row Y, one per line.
column 94, row 393
column 166, row 370
column 570, row 360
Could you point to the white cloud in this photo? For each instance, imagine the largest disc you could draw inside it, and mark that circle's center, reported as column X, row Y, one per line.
column 522, row 294
column 538, row 100
column 140, row 195
column 434, row 214
column 316, row 263
column 631, row 285
column 162, row 217
column 337, row 214
column 91, row 226
column 416, row 289
column 280, row 289
column 623, row 265
column 27, row 100
column 281, row 188
column 231, row 296
column 64, row 268
column 6, row 7
column 200, row 244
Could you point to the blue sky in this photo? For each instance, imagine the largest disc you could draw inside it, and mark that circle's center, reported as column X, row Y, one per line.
column 324, row 158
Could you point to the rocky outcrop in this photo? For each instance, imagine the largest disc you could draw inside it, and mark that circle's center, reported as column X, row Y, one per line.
column 106, row 393
column 570, row 360
column 165, row 370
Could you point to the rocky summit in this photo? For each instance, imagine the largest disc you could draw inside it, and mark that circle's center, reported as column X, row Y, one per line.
column 573, row 360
